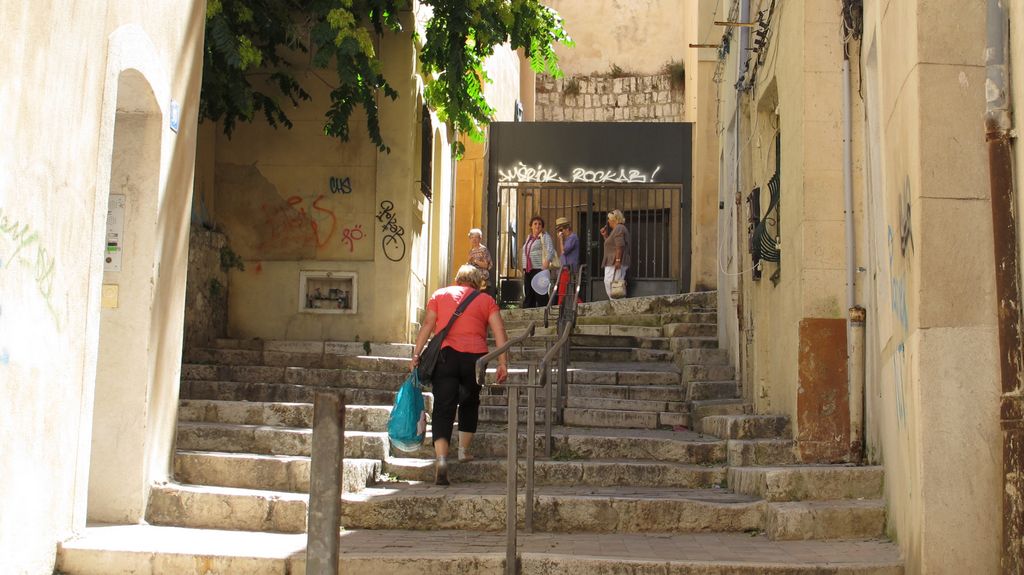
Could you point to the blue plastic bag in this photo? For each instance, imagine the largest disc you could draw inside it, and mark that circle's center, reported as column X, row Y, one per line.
column 406, row 426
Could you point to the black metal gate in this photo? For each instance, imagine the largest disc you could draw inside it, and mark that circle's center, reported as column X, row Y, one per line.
column 658, row 217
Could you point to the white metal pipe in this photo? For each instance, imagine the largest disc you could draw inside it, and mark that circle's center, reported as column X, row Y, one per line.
column 857, row 379
column 851, row 247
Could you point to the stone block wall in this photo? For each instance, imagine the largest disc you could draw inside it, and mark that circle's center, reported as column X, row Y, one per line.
column 206, row 290
column 602, row 98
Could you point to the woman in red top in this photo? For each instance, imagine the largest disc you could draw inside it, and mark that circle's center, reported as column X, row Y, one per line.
column 454, row 379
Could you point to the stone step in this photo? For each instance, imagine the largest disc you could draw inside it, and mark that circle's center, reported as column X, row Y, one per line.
column 357, row 417
column 704, row 357
column 747, row 426
column 270, row 472
column 808, row 482
column 134, row 549
column 244, row 357
column 700, row 410
column 578, row 444
column 597, row 473
column 646, row 324
column 705, row 390
column 647, row 305
column 212, row 507
column 690, row 330
column 597, row 403
column 349, row 348
column 295, row 376
column 680, row 344
column 619, row 418
column 499, row 414
column 754, row 452
column 470, row 506
column 641, row 374
column 692, row 373
column 481, row 507
column 258, row 439
column 281, row 392
column 636, row 392
column 597, row 354
column 843, row 519
column 652, row 343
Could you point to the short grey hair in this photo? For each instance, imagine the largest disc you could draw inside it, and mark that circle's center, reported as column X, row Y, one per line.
column 468, row 275
column 476, row 232
column 617, row 216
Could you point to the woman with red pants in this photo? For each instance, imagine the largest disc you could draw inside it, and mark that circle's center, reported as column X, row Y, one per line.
column 454, row 379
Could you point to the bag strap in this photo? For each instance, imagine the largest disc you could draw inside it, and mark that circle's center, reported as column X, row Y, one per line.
column 458, row 313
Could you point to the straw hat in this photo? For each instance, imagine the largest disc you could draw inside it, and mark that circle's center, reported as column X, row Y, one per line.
column 561, row 223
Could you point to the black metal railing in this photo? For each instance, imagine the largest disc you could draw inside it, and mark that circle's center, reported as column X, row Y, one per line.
column 537, row 378
column 658, row 217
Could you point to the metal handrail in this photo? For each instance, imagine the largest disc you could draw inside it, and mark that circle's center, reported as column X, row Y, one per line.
column 552, row 296
column 566, row 323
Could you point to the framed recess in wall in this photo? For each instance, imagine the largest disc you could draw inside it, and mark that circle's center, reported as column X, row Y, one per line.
column 328, row 292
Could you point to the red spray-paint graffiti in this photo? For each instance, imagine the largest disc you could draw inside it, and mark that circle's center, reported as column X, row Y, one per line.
column 291, row 222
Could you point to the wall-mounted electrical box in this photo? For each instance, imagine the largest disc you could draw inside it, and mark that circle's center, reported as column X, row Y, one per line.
column 328, row 292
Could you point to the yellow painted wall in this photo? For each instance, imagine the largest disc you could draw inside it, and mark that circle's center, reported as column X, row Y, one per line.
column 296, row 200
column 69, row 67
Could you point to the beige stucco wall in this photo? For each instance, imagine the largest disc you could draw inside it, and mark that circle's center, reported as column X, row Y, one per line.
column 934, row 374
column 923, row 237
column 639, row 36
column 275, row 201
column 55, row 170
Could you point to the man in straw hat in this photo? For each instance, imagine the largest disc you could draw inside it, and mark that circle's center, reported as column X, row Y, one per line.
column 569, row 246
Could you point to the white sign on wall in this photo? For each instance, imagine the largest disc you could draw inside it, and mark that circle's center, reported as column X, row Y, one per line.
column 114, row 246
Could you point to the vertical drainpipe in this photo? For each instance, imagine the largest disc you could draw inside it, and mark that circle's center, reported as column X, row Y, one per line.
column 855, row 323
column 998, row 135
column 741, row 55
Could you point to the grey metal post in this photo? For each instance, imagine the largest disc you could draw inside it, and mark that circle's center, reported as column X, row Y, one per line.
column 531, row 440
column 512, row 475
column 549, row 411
column 325, row 474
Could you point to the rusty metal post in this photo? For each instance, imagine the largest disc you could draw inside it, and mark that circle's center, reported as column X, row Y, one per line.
column 998, row 130
column 325, row 475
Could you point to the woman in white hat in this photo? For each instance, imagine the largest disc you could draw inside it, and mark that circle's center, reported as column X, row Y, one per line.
column 616, row 249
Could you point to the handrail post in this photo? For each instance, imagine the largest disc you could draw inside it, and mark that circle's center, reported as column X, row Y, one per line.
column 531, row 440
column 325, row 478
column 511, row 515
column 549, row 410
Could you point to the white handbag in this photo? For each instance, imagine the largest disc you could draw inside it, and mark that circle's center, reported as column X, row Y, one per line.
column 618, row 289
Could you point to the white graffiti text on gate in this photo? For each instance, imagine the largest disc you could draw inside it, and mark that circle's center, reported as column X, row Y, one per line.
column 521, row 173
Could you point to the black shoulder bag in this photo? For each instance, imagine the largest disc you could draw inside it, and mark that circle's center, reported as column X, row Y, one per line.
column 431, row 351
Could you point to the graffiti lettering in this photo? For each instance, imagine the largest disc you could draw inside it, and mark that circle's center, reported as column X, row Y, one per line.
column 352, row 235
column 44, row 265
column 906, row 226
column 392, row 243
column 522, row 173
column 623, row 176
column 899, row 362
column 292, row 223
column 340, row 185
column 897, row 288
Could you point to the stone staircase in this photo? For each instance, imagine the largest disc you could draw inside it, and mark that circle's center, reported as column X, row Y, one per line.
column 657, row 468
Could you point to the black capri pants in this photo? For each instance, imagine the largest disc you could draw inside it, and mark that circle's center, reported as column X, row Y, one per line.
column 455, row 389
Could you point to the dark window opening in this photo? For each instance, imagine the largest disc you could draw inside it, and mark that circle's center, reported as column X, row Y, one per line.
column 426, row 153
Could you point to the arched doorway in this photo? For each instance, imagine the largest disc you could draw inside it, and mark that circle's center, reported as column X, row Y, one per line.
column 125, row 357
